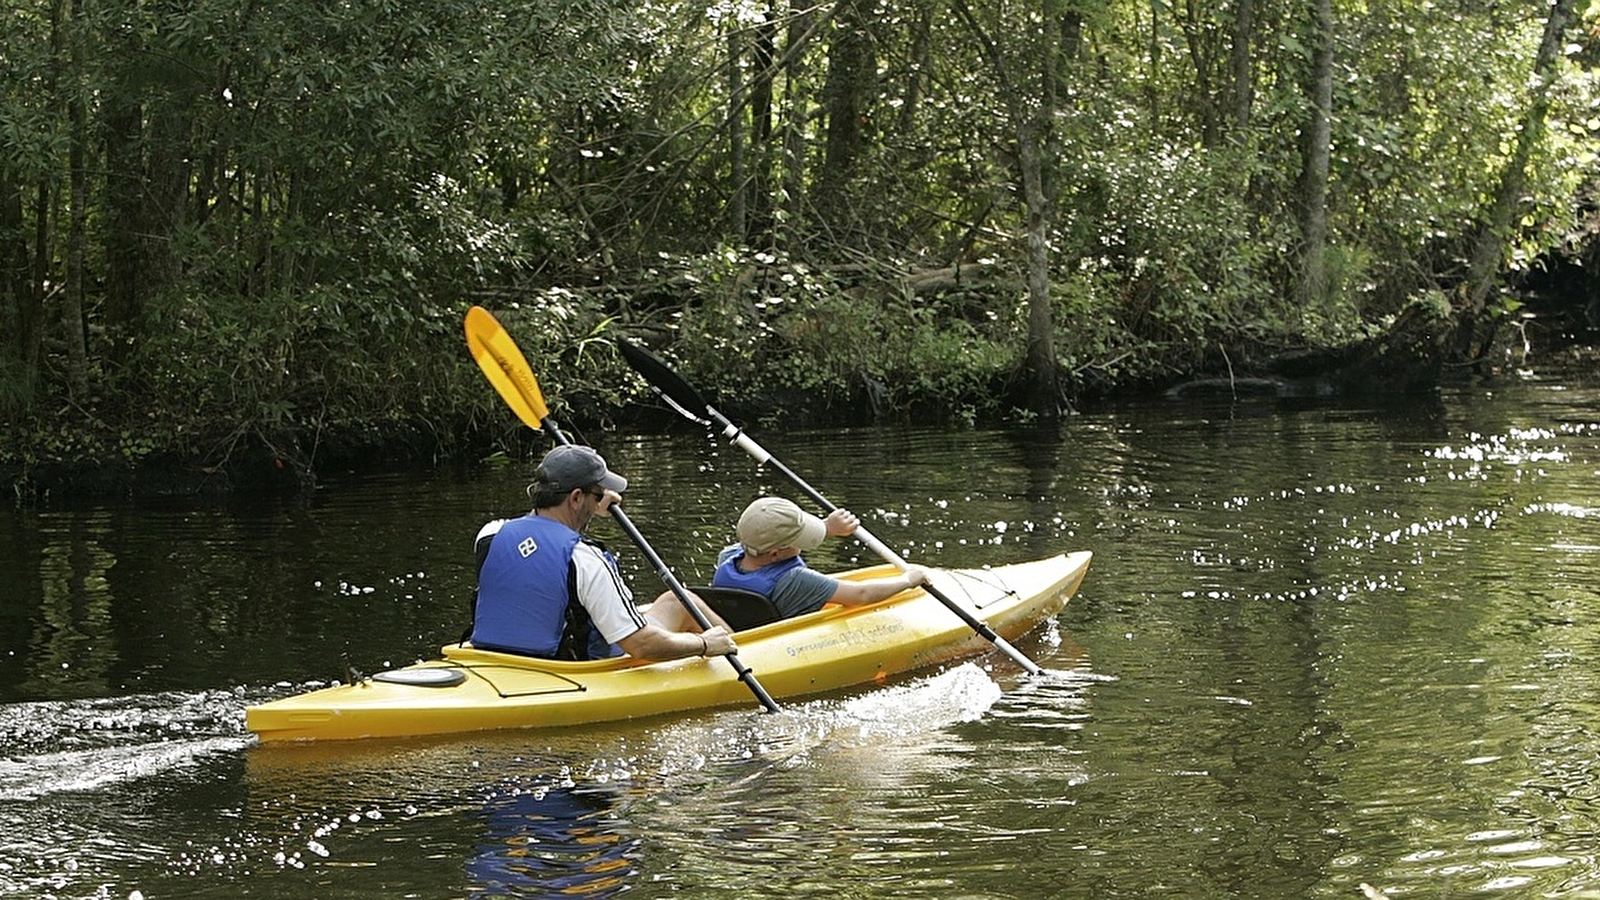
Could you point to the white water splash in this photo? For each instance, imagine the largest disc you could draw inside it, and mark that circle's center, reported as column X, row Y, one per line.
column 961, row 694
column 31, row 777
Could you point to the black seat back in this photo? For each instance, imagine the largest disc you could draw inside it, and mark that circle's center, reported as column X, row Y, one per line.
column 740, row 608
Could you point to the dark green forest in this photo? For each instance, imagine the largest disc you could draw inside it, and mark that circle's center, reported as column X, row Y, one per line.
column 238, row 234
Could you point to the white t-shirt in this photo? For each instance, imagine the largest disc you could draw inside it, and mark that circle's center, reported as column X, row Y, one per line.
column 603, row 593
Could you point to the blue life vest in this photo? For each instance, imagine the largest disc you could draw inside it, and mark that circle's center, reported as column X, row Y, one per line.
column 763, row 580
column 526, row 597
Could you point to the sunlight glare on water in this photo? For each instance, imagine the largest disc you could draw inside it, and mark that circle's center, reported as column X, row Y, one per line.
column 1318, row 648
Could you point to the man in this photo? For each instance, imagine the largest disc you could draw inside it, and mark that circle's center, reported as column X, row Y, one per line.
column 546, row 590
column 773, row 532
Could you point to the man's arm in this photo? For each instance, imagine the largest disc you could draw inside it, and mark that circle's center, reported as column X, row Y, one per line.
column 603, row 593
column 654, row 642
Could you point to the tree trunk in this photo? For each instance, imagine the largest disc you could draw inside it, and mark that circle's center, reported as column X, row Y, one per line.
column 736, row 118
column 850, row 85
column 39, row 275
column 1243, row 83
column 1494, row 232
column 1044, row 382
column 72, row 320
column 1201, row 40
column 21, row 309
column 759, row 199
column 170, row 169
column 1032, row 105
column 1313, row 288
column 124, row 244
column 920, row 64
column 796, row 115
column 1152, row 93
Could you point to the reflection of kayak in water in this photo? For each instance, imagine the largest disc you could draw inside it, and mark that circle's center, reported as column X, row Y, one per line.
column 475, row 690
column 560, row 841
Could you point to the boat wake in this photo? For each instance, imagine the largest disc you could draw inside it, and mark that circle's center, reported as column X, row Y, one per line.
column 78, row 745
column 31, row 777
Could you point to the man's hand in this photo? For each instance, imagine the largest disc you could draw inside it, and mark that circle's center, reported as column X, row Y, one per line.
column 718, row 641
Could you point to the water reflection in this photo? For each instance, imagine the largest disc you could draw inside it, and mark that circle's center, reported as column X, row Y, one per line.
column 71, row 646
column 540, row 840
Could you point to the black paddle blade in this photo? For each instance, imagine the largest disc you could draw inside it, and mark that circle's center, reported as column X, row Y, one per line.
column 679, row 392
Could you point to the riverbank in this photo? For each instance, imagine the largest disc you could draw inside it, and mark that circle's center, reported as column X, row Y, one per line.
column 93, row 459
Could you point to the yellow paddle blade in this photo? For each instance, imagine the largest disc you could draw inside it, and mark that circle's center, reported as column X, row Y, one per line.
column 503, row 364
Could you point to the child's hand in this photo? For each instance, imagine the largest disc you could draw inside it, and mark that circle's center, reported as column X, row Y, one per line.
column 841, row 522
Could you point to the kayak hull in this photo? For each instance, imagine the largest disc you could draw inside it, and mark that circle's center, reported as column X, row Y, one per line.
column 477, row 690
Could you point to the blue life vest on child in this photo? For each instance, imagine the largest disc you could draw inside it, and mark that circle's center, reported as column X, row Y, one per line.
column 763, row 580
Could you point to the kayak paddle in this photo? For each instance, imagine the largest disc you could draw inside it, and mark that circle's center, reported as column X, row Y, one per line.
column 506, row 368
column 681, row 396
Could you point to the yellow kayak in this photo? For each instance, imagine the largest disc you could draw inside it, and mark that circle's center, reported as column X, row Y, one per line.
column 836, row 647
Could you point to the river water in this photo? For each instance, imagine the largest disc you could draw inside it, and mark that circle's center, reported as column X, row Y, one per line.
column 1320, row 646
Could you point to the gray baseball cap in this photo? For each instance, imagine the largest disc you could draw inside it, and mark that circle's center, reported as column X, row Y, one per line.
column 574, row 466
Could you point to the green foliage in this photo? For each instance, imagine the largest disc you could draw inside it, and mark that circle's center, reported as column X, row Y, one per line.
column 287, row 206
column 805, row 341
column 1173, row 256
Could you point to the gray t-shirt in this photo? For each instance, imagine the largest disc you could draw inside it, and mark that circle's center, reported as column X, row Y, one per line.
column 799, row 591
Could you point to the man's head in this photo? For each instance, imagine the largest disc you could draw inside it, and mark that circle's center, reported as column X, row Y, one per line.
column 773, row 523
column 568, row 468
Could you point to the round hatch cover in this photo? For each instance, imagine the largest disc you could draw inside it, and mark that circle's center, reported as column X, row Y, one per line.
column 426, row 677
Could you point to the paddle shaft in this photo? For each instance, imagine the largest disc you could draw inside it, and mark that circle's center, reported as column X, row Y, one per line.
column 760, row 454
